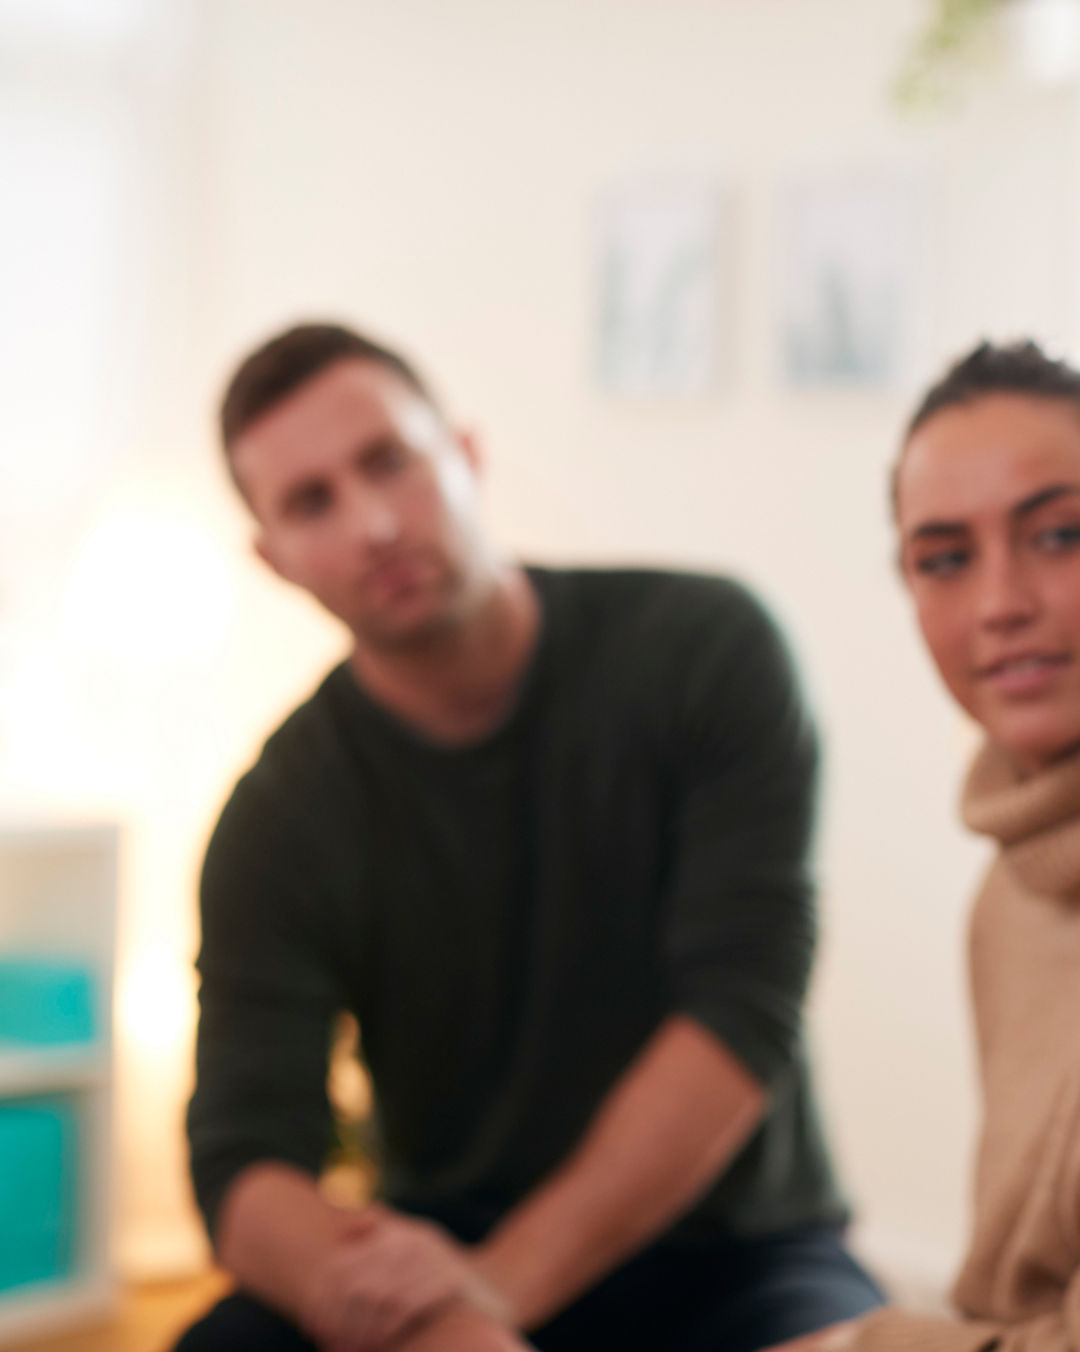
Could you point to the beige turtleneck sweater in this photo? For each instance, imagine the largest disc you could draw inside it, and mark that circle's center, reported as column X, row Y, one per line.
column 1019, row 1289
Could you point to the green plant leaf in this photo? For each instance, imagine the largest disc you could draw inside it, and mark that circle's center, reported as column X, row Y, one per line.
column 941, row 50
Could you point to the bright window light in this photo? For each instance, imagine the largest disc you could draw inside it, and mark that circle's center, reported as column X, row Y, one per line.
column 97, row 24
column 148, row 589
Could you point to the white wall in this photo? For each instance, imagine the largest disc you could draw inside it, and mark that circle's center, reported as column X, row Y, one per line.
column 97, row 552
column 428, row 169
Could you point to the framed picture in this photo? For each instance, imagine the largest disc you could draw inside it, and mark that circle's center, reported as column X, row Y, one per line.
column 662, row 316
column 852, row 284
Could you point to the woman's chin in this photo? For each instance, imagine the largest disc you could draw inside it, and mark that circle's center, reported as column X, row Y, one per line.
column 1034, row 753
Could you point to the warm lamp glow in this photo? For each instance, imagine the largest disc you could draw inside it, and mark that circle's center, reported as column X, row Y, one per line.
column 156, row 1004
column 148, row 589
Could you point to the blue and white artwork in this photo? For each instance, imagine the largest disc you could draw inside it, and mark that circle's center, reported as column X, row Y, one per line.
column 851, row 279
column 659, row 326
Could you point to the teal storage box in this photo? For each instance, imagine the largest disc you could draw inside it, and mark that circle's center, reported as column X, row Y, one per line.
column 45, row 1003
column 38, row 1190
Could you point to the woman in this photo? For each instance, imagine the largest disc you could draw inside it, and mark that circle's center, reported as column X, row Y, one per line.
column 987, row 497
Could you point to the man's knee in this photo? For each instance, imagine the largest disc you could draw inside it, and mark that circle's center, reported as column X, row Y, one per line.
column 462, row 1329
column 240, row 1322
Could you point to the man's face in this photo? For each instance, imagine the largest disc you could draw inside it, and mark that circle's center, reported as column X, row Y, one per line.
column 366, row 499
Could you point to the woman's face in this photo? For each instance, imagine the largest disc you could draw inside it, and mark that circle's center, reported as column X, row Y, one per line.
column 988, row 506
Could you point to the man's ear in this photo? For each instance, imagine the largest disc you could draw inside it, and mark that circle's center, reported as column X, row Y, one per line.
column 471, row 449
column 264, row 552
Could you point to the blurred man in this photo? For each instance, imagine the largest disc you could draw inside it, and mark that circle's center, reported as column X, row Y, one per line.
column 545, row 833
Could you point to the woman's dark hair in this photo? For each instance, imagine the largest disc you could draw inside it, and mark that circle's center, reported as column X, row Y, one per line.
column 1013, row 368
column 280, row 366
column 1009, row 368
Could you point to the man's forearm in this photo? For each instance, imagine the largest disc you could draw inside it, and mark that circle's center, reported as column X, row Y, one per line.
column 461, row 1329
column 666, row 1130
column 289, row 1247
column 275, row 1232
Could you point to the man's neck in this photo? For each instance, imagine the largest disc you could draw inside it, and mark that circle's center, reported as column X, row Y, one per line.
column 459, row 686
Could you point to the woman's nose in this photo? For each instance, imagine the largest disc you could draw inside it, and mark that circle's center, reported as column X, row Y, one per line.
column 1007, row 595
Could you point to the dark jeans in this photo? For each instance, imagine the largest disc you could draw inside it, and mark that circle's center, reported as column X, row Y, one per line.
column 720, row 1296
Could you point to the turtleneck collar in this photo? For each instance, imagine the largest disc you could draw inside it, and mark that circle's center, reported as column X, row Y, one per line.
column 1036, row 821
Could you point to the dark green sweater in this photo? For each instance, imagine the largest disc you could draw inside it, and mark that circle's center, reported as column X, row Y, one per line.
column 510, row 921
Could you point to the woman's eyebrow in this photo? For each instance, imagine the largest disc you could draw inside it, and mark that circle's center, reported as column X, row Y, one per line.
column 936, row 529
column 933, row 529
column 1032, row 504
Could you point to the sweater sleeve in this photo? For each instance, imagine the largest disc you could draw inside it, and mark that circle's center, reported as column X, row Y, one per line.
column 898, row 1331
column 1056, row 1331
column 902, row 1331
column 741, row 925
column 268, row 1000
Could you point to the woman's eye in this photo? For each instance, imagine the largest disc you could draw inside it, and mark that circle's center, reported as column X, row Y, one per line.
column 942, row 563
column 1057, row 539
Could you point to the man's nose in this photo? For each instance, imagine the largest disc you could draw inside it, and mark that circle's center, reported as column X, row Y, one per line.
column 372, row 519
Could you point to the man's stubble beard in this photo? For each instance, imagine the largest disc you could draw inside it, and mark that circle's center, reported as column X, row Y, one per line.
column 432, row 633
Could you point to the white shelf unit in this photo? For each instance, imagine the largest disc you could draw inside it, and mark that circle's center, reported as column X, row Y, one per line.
column 58, row 887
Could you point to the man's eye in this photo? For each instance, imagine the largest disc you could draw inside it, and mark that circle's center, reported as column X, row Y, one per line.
column 310, row 501
column 386, row 458
column 1058, row 539
column 942, row 563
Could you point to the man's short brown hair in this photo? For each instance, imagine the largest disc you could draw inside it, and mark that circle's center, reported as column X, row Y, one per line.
column 280, row 366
